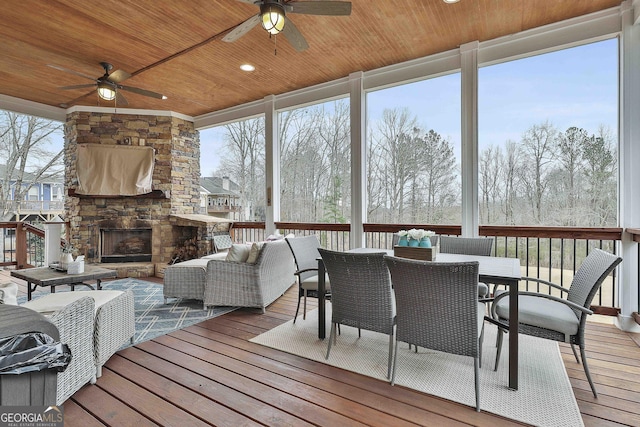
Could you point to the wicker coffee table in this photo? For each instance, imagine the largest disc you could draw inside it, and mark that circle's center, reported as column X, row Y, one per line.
column 45, row 276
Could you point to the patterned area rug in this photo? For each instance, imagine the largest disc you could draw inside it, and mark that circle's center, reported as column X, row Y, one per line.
column 544, row 397
column 153, row 316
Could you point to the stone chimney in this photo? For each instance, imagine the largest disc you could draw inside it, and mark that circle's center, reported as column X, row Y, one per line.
column 225, row 183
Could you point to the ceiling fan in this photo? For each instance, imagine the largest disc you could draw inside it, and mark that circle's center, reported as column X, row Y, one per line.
column 273, row 18
column 108, row 85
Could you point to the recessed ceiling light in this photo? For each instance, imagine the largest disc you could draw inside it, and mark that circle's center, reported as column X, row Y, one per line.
column 451, row 1
column 247, row 67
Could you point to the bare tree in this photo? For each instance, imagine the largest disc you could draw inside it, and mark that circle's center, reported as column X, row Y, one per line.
column 24, row 140
column 490, row 175
column 538, row 150
column 244, row 161
column 395, row 143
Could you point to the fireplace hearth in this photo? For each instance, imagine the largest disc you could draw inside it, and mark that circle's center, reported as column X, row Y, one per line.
column 125, row 245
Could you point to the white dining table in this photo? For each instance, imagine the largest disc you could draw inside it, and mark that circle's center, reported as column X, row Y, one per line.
column 494, row 270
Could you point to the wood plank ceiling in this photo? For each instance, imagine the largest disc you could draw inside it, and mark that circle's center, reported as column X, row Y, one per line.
column 175, row 48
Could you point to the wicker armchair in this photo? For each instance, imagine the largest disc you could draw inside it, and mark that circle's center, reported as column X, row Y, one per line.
column 438, row 308
column 112, row 321
column 468, row 246
column 361, row 294
column 558, row 319
column 75, row 325
column 305, row 252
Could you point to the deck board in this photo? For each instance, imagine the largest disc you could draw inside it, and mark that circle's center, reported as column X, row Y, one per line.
column 210, row 374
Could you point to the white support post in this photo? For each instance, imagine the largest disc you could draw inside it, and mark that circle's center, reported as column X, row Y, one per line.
column 272, row 165
column 358, row 160
column 52, row 235
column 469, row 128
column 629, row 158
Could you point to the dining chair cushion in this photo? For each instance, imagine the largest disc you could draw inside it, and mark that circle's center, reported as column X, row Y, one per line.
column 311, row 283
column 543, row 313
column 483, row 289
column 481, row 313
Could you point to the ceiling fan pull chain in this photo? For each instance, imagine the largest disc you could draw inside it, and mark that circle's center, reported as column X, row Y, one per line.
column 275, row 45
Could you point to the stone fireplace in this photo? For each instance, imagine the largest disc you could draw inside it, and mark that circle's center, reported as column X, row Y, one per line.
column 147, row 228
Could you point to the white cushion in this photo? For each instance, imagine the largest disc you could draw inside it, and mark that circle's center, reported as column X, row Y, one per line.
column 197, row 262
column 238, row 253
column 55, row 302
column 9, row 293
column 543, row 313
column 311, row 283
column 254, row 252
column 219, row 256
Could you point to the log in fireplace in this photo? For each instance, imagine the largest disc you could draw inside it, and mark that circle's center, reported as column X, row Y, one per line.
column 125, row 245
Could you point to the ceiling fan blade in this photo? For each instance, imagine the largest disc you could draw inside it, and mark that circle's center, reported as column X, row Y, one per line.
column 118, row 76
column 142, row 92
column 76, row 86
column 241, row 29
column 121, row 100
column 333, row 8
column 66, row 70
column 294, row 36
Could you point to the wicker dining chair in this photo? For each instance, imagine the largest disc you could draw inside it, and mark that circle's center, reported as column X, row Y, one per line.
column 556, row 318
column 481, row 246
column 305, row 252
column 361, row 294
column 437, row 307
column 222, row 241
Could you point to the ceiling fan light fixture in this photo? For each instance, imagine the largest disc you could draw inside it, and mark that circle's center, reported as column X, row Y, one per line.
column 272, row 17
column 106, row 92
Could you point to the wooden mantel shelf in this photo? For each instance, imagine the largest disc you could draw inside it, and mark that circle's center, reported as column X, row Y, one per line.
column 155, row 194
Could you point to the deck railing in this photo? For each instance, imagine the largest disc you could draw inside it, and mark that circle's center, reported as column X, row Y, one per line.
column 21, row 245
column 551, row 253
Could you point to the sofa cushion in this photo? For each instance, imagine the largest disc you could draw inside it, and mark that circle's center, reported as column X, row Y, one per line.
column 254, row 252
column 222, row 256
column 238, row 253
column 197, row 262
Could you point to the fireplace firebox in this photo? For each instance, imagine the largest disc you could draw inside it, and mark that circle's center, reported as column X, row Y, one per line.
column 125, row 245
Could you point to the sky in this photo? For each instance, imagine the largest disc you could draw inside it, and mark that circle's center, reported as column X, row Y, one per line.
column 571, row 87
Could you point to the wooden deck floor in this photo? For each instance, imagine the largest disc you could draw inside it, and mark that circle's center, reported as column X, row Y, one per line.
column 210, row 374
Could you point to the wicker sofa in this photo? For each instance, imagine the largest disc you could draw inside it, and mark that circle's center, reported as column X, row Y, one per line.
column 218, row 282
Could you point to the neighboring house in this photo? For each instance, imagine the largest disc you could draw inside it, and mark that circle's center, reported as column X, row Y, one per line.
column 44, row 199
column 221, row 197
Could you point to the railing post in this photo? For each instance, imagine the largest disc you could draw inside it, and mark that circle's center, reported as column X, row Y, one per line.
column 21, row 246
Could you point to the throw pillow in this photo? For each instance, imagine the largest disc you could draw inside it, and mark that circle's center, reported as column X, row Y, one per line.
column 255, row 251
column 238, row 253
column 9, row 293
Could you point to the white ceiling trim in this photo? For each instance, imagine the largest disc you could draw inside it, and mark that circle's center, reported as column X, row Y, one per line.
column 22, row 106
